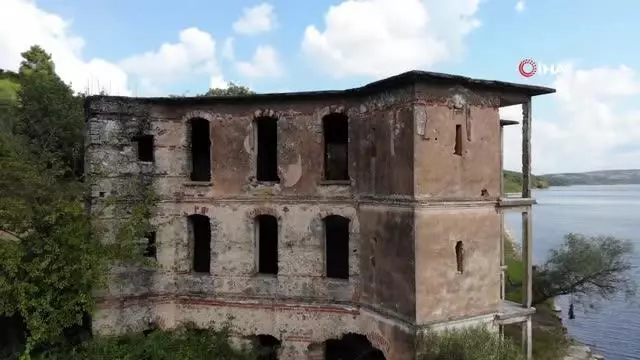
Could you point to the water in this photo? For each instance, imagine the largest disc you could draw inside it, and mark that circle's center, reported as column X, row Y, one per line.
column 613, row 328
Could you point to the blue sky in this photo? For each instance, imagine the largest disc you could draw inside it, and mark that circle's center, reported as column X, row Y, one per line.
column 118, row 45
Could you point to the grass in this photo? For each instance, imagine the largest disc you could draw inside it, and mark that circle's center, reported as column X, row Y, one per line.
column 549, row 339
column 467, row 344
column 184, row 343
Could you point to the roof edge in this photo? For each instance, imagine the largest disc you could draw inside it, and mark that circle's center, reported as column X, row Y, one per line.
column 406, row 78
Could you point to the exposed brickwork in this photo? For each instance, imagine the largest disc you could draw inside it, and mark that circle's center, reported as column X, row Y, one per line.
column 409, row 200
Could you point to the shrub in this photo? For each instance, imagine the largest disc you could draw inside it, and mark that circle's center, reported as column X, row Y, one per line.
column 184, row 343
column 476, row 343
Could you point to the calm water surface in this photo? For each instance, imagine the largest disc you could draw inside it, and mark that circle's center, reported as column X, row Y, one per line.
column 613, row 328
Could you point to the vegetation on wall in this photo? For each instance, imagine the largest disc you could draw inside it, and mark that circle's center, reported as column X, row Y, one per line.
column 232, row 89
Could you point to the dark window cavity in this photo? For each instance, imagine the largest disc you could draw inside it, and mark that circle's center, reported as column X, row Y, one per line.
column 335, row 128
column 352, row 346
column 458, row 147
column 150, row 247
column 200, row 150
column 460, row 257
column 266, row 347
column 200, row 233
column 267, row 144
column 336, row 230
column 145, row 147
column 267, row 244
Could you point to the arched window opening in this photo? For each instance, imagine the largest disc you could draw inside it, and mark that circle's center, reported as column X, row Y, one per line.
column 200, row 239
column 335, row 129
column 200, row 139
column 266, row 347
column 336, row 233
column 352, row 346
column 267, row 244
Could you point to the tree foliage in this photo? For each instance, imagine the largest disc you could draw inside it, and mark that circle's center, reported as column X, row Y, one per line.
column 49, row 116
column 52, row 259
column 232, row 90
column 9, row 86
column 586, row 268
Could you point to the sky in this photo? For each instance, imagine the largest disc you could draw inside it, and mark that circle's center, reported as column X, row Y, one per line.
column 583, row 48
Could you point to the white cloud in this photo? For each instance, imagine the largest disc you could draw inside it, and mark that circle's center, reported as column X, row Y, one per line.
column 218, row 82
column 520, row 6
column 194, row 53
column 254, row 20
column 228, row 49
column 265, row 63
column 385, row 37
column 595, row 124
column 23, row 24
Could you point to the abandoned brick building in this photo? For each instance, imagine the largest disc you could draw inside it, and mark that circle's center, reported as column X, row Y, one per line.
column 322, row 222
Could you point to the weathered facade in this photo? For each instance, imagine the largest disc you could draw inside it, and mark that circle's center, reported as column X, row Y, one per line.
column 307, row 216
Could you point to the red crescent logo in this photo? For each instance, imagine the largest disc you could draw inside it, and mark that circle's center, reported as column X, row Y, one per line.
column 527, row 68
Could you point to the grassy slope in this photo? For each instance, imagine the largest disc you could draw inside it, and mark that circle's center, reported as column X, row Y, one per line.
column 604, row 177
column 513, row 181
column 549, row 341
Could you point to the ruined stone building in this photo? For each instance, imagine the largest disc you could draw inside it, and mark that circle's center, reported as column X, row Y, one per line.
column 323, row 222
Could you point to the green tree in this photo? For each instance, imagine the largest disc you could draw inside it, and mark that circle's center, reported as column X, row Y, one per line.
column 36, row 59
column 52, row 258
column 587, row 268
column 49, row 116
column 9, row 85
column 232, row 90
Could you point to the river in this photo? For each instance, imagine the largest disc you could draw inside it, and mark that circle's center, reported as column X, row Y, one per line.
column 613, row 327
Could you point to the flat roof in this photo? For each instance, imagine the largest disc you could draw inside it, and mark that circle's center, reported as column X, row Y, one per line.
column 403, row 79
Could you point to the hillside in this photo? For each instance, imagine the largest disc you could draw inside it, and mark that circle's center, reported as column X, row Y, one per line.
column 513, row 181
column 603, row 177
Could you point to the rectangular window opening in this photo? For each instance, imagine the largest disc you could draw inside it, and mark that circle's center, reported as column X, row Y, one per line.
column 200, row 150
column 336, row 247
column 150, row 248
column 145, row 147
column 200, row 230
column 459, row 257
column 267, row 244
column 267, row 145
column 458, row 146
column 336, row 147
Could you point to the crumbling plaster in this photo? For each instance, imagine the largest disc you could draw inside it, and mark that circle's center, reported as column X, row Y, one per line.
column 402, row 266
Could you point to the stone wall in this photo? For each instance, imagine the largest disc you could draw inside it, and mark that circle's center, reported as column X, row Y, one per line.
column 409, row 200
